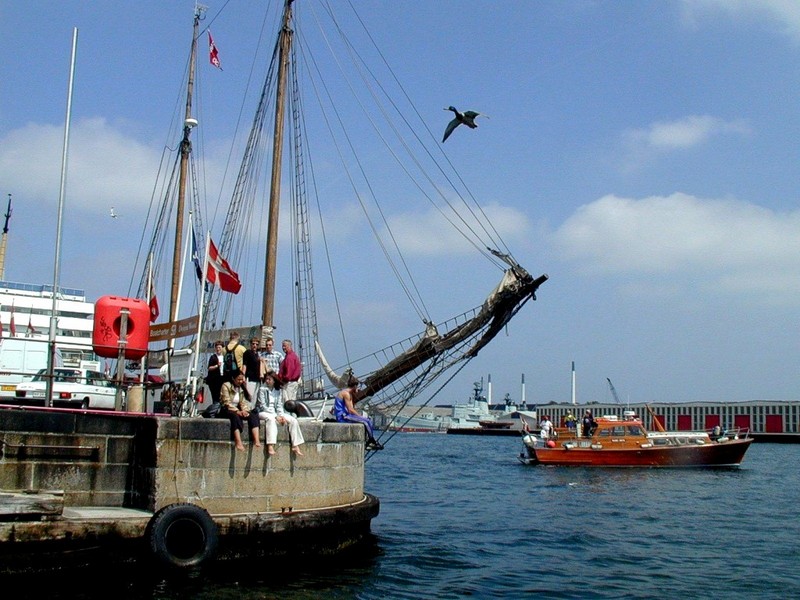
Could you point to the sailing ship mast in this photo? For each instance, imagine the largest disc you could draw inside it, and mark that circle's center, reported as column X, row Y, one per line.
column 270, row 267
column 185, row 150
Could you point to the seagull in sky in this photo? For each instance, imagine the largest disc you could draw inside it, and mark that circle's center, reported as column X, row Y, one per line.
column 467, row 118
column 113, row 214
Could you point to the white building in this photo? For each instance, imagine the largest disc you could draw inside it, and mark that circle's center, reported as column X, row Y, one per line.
column 31, row 306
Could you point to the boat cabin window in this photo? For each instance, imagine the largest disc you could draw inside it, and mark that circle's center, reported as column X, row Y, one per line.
column 616, row 431
column 634, row 430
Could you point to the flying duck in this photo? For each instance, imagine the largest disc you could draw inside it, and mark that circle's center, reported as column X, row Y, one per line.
column 467, row 118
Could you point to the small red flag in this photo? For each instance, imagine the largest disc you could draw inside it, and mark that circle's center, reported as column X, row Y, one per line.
column 213, row 55
column 219, row 272
column 31, row 328
column 11, row 326
column 152, row 301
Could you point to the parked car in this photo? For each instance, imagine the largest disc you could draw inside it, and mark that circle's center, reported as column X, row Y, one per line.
column 75, row 388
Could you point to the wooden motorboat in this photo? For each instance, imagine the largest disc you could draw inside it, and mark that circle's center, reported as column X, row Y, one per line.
column 625, row 442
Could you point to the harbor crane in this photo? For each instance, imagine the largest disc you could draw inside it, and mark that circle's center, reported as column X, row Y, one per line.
column 613, row 391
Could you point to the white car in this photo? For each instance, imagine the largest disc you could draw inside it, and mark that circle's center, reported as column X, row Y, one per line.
column 76, row 388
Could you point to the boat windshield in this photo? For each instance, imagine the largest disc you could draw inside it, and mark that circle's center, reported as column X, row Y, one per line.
column 620, row 431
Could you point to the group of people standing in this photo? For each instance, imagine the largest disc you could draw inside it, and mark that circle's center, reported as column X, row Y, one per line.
column 588, row 425
column 251, row 386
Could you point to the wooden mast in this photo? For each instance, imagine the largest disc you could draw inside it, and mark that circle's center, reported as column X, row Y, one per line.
column 186, row 149
column 277, row 158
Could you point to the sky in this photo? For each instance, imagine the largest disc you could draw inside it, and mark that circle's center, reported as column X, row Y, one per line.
column 644, row 155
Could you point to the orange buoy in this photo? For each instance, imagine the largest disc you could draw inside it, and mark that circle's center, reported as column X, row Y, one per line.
column 108, row 325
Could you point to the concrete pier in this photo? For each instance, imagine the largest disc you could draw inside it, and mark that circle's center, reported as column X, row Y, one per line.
column 113, row 472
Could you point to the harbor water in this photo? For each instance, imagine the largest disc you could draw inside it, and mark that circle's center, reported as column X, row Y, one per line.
column 460, row 517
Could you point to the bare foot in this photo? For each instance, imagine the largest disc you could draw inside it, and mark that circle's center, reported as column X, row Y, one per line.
column 296, row 450
column 270, row 450
column 257, row 445
column 240, row 447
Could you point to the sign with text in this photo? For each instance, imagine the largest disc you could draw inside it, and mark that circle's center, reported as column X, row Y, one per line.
column 174, row 329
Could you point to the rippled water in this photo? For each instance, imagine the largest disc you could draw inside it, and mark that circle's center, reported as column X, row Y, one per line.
column 461, row 517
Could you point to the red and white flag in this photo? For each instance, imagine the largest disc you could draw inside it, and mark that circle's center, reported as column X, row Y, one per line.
column 152, row 301
column 219, row 272
column 31, row 329
column 11, row 326
column 213, row 55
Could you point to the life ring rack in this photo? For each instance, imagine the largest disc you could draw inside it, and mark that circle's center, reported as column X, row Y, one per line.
column 182, row 536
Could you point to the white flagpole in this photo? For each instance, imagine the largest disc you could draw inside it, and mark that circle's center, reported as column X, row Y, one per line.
column 61, row 194
column 186, row 247
column 200, row 317
column 150, row 290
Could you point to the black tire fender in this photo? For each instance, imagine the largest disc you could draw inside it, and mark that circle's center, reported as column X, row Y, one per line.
column 182, row 536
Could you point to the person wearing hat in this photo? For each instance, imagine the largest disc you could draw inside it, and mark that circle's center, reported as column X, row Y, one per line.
column 570, row 420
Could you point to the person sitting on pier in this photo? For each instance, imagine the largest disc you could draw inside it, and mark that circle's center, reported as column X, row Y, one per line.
column 269, row 407
column 345, row 411
column 235, row 401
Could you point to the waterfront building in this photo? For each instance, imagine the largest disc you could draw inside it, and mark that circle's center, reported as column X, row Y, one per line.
column 31, row 306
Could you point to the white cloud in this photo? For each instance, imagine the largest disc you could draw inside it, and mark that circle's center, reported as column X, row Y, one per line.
column 429, row 234
column 104, row 166
column 785, row 13
column 680, row 134
column 721, row 245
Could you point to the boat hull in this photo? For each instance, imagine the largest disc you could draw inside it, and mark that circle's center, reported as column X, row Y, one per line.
column 726, row 454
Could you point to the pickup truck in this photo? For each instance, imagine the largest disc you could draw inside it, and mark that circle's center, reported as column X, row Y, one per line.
column 75, row 388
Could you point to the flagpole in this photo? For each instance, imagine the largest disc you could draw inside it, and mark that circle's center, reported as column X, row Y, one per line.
column 150, row 291
column 186, row 246
column 57, row 262
column 200, row 315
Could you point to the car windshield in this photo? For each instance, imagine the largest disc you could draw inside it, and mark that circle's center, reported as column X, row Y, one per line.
column 59, row 375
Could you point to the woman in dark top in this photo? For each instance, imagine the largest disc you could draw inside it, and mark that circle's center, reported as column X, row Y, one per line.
column 214, row 377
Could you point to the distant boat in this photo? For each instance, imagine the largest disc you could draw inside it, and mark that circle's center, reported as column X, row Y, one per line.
column 422, row 422
column 476, row 414
column 625, row 442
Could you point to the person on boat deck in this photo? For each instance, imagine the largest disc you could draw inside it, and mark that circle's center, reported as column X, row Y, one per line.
column 238, row 354
column 214, row 375
column 251, row 367
column 570, row 420
column 344, row 410
column 546, row 428
column 235, row 401
column 270, row 409
column 588, row 424
column 272, row 357
column 289, row 372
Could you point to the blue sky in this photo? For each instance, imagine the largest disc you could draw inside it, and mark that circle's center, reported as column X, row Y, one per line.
column 642, row 154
